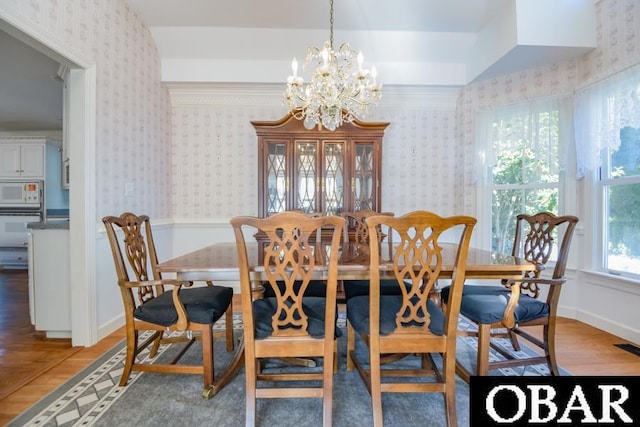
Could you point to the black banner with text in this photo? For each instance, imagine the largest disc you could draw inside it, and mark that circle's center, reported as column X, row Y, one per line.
column 531, row 400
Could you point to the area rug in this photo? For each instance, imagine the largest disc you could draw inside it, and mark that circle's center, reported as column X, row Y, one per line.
column 93, row 397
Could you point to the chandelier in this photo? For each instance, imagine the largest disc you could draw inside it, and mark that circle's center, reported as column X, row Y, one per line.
column 340, row 89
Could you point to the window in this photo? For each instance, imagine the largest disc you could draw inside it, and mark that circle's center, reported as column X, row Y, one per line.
column 620, row 182
column 524, row 164
column 608, row 148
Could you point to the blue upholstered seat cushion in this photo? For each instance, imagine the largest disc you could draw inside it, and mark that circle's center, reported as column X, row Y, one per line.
column 204, row 305
column 314, row 307
column 358, row 314
column 354, row 288
column 486, row 304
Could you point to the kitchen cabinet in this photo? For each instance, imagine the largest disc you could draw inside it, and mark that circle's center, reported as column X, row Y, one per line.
column 318, row 170
column 32, row 157
column 22, row 160
column 49, row 287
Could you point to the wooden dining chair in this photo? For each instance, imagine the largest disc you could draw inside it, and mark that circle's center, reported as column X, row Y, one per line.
column 356, row 231
column 505, row 310
column 409, row 323
column 290, row 323
column 355, row 227
column 152, row 303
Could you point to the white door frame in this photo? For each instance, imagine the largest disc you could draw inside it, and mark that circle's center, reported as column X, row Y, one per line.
column 81, row 126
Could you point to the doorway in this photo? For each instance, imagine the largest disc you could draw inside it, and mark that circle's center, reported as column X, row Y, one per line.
column 79, row 128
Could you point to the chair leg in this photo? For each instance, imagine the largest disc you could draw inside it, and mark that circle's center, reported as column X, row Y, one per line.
column 449, row 371
column 484, row 338
column 229, row 327
column 132, row 346
column 156, row 345
column 514, row 340
column 207, row 357
column 549, row 334
column 351, row 345
column 327, row 392
column 336, row 362
column 376, row 389
column 426, row 361
column 250, row 391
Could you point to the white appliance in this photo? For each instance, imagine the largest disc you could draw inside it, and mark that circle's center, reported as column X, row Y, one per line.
column 13, row 229
column 49, row 289
column 21, row 202
column 21, row 195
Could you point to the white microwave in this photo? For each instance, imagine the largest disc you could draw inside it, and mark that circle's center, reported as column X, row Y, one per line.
column 20, row 194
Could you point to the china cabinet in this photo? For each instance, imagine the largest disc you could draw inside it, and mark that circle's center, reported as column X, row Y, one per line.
column 318, row 170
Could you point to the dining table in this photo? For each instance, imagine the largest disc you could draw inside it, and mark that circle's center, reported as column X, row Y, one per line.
column 219, row 263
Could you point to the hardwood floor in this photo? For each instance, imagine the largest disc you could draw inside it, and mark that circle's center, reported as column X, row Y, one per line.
column 31, row 365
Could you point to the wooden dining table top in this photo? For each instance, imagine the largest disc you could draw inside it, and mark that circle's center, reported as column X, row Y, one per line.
column 220, row 262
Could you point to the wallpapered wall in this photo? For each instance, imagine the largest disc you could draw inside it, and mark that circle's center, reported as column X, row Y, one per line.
column 216, row 159
column 618, row 29
column 211, row 149
column 133, row 111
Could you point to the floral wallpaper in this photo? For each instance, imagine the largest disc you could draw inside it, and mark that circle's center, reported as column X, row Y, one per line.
column 418, row 165
column 618, row 29
column 215, row 163
column 133, row 110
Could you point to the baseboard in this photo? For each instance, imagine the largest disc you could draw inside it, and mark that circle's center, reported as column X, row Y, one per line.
column 618, row 329
column 568, row 312
column 108, row 328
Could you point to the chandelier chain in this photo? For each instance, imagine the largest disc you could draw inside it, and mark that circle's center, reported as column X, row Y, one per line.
column 331, row 24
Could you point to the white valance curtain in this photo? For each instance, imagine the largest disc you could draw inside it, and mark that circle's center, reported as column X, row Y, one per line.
column 486, row 132
column 600, row 111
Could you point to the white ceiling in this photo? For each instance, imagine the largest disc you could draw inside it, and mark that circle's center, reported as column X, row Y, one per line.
column 411, row 42
column 424, row 42
column 466, row 16
column 30, row 90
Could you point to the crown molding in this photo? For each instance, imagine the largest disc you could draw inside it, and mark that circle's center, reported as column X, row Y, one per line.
column 227, row 94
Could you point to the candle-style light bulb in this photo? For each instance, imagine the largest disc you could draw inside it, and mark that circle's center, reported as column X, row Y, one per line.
column 360, row 60
column 325, row 56
column 294, row 67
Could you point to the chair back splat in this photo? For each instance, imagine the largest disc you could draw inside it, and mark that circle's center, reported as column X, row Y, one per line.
column 286, row 321
column 397, row 327
column 163, row 306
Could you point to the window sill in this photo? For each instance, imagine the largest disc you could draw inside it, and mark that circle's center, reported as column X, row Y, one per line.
column 613, row 281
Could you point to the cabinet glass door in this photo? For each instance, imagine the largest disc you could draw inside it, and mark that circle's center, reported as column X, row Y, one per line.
column 306, row 176
column 333, row 182
column 363, row 180
column 277, row 181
